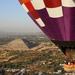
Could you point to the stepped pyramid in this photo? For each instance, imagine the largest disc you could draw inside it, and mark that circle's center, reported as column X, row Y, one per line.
column 17, row 44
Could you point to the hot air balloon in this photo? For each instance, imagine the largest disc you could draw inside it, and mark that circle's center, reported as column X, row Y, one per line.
column 56, row 18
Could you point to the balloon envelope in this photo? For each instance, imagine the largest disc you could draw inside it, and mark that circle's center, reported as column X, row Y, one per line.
column 56, row 18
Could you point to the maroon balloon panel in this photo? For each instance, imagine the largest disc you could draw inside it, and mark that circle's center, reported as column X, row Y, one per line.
column 56, row 18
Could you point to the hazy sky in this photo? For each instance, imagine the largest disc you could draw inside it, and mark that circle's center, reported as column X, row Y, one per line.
column 13, row 18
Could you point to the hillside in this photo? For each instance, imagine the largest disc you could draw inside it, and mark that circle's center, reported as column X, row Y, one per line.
column 44, row 57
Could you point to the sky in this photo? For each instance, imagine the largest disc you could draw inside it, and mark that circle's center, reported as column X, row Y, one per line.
column 13, row 18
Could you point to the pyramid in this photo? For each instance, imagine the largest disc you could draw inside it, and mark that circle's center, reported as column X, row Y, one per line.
column 16, row 44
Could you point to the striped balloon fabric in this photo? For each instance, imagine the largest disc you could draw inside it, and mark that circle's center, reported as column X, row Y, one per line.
column 56, row 18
